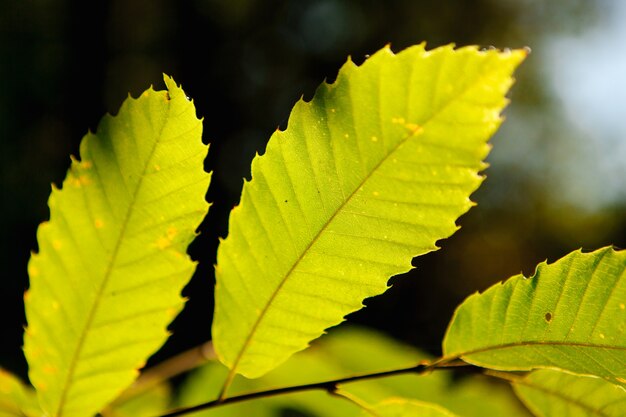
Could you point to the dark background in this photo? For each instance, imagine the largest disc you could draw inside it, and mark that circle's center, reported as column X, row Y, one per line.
column 64, row 63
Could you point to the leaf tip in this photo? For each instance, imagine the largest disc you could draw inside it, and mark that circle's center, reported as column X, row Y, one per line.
column 169, row 81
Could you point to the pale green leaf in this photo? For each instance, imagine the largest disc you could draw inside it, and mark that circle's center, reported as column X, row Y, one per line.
column 353, row 351
column 370, row 173
column 570, row 315
column 399, row 407
column 16, row 398
column 111, row 263
column 203, row 385
column 350, row 351
column 557, row 394
column 152, row 402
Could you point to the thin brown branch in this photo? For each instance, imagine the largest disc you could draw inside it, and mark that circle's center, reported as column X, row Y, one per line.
column 167, row 369
column 329, row 386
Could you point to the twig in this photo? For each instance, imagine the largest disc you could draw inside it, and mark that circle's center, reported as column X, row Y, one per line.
column 329, row 386
column 167, row 369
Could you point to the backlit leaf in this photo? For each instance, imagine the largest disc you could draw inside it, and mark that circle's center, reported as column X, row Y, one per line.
column 152, row 402
column 570, row 315
column 350, row 350
column 371, row 172
column 399, row 407
column 16, row 398
column 557, row 394
column 111, row 263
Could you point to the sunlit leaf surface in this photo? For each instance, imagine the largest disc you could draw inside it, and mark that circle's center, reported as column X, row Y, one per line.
column 352, row 351
column 370, row 173
column 16, row 398
column 111, row 263
column 558, row 394
column 398, row 407
column 570, row 315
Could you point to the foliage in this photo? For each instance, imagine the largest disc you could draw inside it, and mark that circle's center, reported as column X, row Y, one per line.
column 370, row 173
column 107, row 279
column 349, row 350
column 577, row 396
column 548, row 321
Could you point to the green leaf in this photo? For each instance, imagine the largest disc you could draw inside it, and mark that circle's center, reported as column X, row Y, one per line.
column 203, row 385
column 399, row 407
column 17, row 399
column 571, row 315
column 152, row 402
column 555, row 394
column 107, row 279
column 370, row 173
column 350, row 350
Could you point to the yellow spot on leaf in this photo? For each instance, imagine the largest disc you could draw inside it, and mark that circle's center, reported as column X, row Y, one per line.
column 31, row 331
column 49, row 369
column 166, row 241
column 79, row 180
column 55, row 305
column 57, row 244
column 333, row 110
column 87, row 164
column 601, row 335
column 622, row 380
column 346, row 136
column 622, row 306
column 415, row 128
column 375, row 193
column 99, row 224
column 157, row 167
column 397, row 120
column 374, row 139
column 33, row 271
column 73, row 181
column 163, row 243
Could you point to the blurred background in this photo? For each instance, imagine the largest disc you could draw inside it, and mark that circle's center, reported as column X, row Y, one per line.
column 557, row 180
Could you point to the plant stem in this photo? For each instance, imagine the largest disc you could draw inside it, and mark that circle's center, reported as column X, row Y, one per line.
column 355, row 401
column 183, row 362
column 229, row 380
column 329, row 386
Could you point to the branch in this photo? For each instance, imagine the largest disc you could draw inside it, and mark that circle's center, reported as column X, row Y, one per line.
column 328, row 386
column 167, row 369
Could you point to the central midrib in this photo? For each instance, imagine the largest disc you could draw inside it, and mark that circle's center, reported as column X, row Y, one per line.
column 107, row 275
column 523, row 343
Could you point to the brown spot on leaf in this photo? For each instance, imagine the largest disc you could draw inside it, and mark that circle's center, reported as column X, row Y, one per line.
column 548, row 317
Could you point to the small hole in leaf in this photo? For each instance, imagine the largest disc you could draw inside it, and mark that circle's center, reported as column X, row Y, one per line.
column 548, row 317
